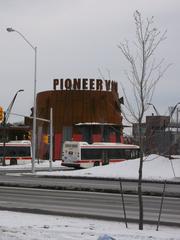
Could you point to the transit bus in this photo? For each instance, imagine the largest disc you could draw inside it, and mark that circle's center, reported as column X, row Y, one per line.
column 84, row 155
column 16, row 152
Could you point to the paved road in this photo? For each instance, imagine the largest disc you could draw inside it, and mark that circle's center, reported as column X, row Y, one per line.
column 87, row 204
column 149, row 188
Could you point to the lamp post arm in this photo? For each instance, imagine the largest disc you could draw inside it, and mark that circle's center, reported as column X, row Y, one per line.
column 156, row 111
column 25, row 39
column 174, row 109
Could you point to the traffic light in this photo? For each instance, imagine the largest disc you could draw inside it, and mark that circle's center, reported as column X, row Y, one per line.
column 45, row 139
column 1, row 114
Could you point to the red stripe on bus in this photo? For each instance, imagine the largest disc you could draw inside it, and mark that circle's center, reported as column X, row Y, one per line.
column 19, row 158
column 97, row 160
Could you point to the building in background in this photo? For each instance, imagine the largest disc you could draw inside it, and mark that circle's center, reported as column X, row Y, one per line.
column 157, row 134
column 83, row 110
column 161, row 135
column 13, row 132
column 135, row 133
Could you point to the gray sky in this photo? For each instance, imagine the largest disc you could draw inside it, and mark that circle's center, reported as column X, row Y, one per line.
column 76, row 37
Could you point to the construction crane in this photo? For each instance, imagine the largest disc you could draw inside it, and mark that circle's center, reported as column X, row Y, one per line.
column 8, row 111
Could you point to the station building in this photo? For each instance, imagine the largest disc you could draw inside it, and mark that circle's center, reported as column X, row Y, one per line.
column 83, row 110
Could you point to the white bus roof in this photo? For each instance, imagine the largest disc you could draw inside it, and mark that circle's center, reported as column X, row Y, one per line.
column 103, row 144
column 18, row 142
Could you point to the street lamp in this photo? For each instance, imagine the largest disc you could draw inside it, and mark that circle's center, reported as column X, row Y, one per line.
column 156, row 111
column 34, row 108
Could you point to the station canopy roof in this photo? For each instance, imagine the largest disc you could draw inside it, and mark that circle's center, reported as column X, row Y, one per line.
column 100, row 124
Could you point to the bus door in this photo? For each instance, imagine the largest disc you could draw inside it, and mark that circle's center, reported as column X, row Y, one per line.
column 105, row 157
column 70, row 152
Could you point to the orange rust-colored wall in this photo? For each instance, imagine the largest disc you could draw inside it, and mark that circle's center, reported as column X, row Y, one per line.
column 72, row 107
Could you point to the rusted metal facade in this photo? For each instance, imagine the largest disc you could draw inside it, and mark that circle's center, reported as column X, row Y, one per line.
column 79, row 115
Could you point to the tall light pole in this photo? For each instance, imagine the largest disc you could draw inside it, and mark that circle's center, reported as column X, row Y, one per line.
column 34, row 107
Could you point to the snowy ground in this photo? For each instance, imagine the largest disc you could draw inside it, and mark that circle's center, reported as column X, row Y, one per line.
column 155, row 167
column 38, row 164
column 22, row 226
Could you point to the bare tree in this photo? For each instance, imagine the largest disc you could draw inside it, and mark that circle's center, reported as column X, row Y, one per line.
column 143, row 74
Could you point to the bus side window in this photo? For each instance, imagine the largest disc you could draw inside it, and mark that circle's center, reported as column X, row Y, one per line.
column 1, row 151
column 10, row 152
column 127, row 154
column 137, row 153
column 134, row 153
column 21, row 152
column 116, row 153
column 24, row 151
column 89, row 154
column 121, row 153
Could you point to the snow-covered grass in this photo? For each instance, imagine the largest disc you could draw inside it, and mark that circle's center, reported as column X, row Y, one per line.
column 22, row 226
column 155, row 168
column 28, row 165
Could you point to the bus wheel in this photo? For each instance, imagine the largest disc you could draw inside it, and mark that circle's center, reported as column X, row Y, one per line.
column 13, row 161
column 96, row 164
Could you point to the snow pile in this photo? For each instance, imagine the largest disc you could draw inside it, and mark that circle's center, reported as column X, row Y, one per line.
column 28, row 165
column 155, row 167
column 22, row 226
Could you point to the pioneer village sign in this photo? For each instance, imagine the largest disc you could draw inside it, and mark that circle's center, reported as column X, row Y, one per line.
column 85, row 84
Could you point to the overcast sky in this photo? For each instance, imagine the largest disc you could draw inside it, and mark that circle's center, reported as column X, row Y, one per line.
column 76, row 37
